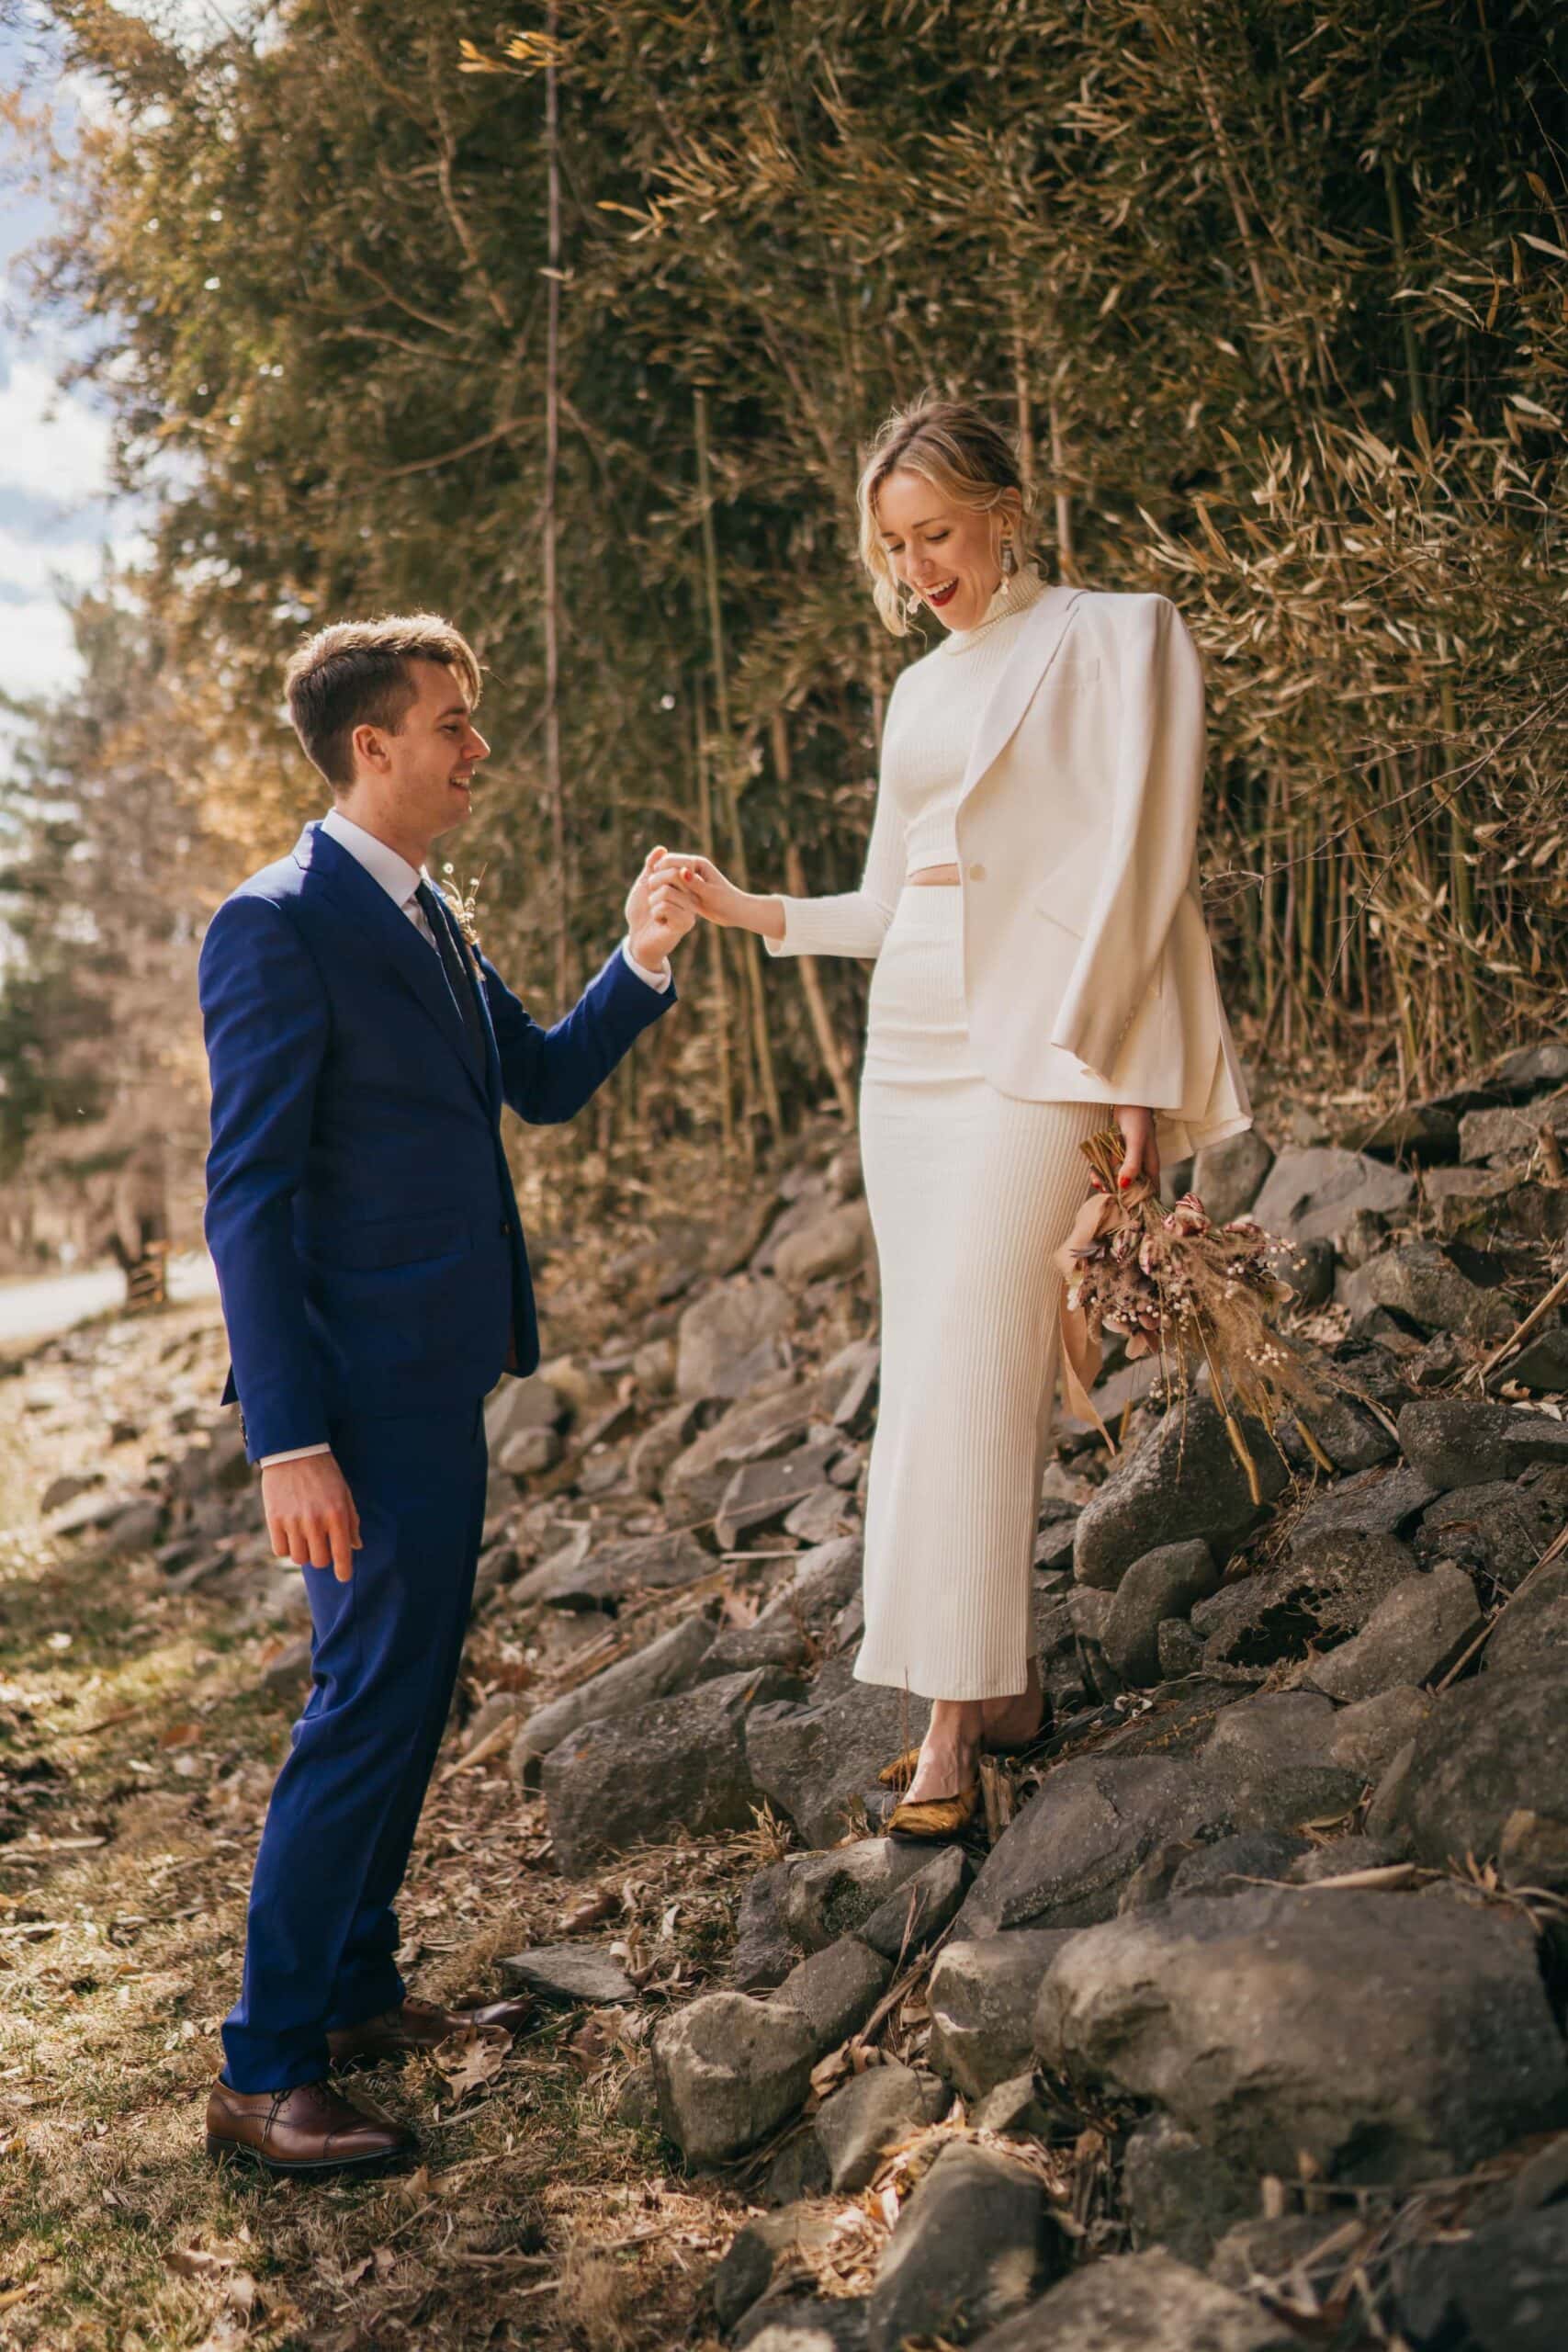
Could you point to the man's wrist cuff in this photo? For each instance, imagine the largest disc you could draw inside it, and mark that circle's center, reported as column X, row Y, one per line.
column 296, row 1454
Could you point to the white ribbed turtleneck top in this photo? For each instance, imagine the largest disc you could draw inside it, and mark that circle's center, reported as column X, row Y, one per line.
column 932, row 715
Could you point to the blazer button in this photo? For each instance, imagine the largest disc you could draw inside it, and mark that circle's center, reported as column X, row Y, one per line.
column 976, row 874
column 505, row 1230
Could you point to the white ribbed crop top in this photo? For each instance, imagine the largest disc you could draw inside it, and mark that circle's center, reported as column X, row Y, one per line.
column 933, row 717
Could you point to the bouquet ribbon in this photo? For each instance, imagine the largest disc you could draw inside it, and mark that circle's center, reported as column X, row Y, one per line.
column 1081, row 1351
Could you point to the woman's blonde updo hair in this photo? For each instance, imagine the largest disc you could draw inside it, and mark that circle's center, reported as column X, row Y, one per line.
column 955, row 447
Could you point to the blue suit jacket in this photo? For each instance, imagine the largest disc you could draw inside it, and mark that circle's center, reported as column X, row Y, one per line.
column 359, row 1210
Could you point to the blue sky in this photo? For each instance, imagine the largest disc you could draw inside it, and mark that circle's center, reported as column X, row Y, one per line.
column 58, row 518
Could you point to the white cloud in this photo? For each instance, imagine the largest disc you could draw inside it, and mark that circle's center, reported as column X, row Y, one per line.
column 38, row 651
column 32, row 566
column 52, row 444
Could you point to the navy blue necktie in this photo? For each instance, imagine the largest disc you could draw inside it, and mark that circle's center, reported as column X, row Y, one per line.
column 459, row 978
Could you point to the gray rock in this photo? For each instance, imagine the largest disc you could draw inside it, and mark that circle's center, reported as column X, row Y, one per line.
column 1461, row 1441
column 834, row 1244
column 818, row 1763
column 1421, row 1282
column 1233, row 1864
column 1054, row 1541
column 1142, row 2302
column 1090, row 1611
column 520, row 1405
column 1064, row 1861
column 799, row 2169
column 753, row 1430
column 1504, row 1133
column 1338, row 1859
column 757, row 2253
column 761, row 1494
column 1368, row 1734
column 603, row 1575
column 825, row 1512
column 1387, row 2037
column 1503, row 2288
column 679, row 1764
column 921, row 1908
column 637, row 2102
column 975, row 2244
column 1180, row 1651
column 1534, row 1851
column 1014, row 2106
column 1541, row 1364
column 764, row 1951
column 527, row 1453
column 1311, row 1194
column 1226, row 1176
column 1319, row 1596
column 805, row 2323
column 1165, row 1583
column 1385, row 1500
column 832, row 1895
column 1178, row 2194
column 1352, row 1438
column 1497, row 1529
column 1274, row 1727
column 982, row 1997
column 672, row 1662
column 834, row 1990
column 1529, row 1067
column 799, row 1618
column 1489, row 1746
column 871, row 2115
column 134, row 1530
column 1183, row 1479
column 1264, row 2248
column 661, row 1444
column 1422, row 1629
column 289, row 1671
column 730, row 1337
column 1535, row 1622
column 570, row 1973
column 859, row 1366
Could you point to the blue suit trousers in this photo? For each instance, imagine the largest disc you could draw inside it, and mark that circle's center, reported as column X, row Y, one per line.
column 322, row 1934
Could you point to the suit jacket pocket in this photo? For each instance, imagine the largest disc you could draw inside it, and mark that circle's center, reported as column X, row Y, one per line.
column 391, row 1241
column 1066, row 894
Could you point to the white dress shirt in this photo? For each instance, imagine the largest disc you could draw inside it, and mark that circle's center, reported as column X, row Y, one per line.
column 401, row 881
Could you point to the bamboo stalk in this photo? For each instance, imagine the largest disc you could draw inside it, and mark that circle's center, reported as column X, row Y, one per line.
column 555, row 788
column 810, row 977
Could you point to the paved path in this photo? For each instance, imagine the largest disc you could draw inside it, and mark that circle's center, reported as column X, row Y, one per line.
column 31, row 1310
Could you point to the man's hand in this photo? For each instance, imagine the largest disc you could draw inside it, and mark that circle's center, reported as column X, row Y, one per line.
column 658, row 912
column 310, row 1515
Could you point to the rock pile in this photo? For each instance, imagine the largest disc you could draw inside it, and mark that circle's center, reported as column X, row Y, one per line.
column 1255, row 1985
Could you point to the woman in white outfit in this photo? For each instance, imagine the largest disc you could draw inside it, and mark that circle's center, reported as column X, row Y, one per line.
column 1030, row 897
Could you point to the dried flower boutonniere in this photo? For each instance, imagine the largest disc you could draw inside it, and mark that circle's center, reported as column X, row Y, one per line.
column 464, row 904
column 1177, row 1284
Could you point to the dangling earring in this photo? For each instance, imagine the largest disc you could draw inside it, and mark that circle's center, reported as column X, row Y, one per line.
column 1008, row 560
column 912, row 606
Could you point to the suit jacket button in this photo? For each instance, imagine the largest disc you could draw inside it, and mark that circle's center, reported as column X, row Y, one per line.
column 976, row 874
column 505, row 1230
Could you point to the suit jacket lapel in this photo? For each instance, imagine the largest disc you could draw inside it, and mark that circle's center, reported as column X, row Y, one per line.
column 367, row 905
column 1022, row 673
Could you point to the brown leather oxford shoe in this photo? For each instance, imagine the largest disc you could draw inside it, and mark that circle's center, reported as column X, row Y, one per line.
column 417, row 2026
column 308, row 2128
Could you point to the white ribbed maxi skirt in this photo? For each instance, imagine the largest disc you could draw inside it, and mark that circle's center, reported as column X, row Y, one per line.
column 971, row 1193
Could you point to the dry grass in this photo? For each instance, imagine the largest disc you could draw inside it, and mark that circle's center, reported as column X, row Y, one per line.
column 136, row 1761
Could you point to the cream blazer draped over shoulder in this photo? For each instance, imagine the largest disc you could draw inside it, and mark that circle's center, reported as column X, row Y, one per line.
column 1088, row 972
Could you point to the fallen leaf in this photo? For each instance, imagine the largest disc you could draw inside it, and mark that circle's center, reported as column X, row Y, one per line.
column 590, row 1911
column 195, row 2262
column 470, row 2058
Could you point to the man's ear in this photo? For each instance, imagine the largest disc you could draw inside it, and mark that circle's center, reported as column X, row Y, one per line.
column 368, row 745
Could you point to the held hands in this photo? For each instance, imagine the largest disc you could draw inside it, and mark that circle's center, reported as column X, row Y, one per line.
column 310, row 1515
column 659, row 911
column 704, row 889
column 1141, row 1157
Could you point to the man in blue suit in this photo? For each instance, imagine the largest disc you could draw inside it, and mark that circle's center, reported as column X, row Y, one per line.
column 375, row 1286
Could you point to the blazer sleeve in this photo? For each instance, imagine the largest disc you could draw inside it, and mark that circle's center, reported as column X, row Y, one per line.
column 264, row 1014
column 546, row 1075
column 852, row 922
column 1156, row 786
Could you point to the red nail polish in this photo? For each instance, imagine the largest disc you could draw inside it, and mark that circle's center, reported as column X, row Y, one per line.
column 1123, row 1179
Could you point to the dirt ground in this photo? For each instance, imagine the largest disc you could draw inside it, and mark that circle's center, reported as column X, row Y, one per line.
column 138, row 1742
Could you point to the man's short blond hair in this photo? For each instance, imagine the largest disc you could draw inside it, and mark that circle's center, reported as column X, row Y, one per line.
column 356, row 673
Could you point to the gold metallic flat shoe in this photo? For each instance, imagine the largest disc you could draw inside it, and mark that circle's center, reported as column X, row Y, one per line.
column 938, row 1819
column 901, row 1771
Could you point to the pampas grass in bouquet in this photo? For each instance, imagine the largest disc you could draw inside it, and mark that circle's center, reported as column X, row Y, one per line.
column 1178, row 1286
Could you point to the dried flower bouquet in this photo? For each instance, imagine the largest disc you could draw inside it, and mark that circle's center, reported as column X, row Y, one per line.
column 1192, row 1291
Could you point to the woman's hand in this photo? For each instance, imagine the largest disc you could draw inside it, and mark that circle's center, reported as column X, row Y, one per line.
column 659, row 913
column 1141, row 1157
column 710, row 894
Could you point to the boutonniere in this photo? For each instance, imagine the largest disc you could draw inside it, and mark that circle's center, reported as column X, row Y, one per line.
column 464, row 904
